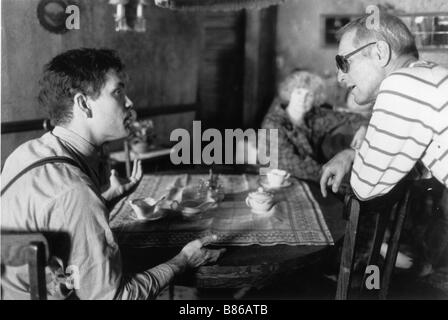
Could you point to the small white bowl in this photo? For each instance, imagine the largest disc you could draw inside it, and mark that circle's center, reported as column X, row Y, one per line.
column 147, row 209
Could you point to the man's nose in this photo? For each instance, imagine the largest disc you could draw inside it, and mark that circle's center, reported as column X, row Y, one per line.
column 128, row 103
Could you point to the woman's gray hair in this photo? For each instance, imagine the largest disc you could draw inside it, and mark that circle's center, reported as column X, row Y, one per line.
column 390, row 29
column 306, row 80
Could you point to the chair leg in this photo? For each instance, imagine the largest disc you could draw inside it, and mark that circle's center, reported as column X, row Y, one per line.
column 348, row 250
column 381, row 223
column 391, row 256
column 171, row 291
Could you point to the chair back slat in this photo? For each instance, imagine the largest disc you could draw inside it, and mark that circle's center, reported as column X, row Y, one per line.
column 30, row 249
column 402, row 210
column 15, row 246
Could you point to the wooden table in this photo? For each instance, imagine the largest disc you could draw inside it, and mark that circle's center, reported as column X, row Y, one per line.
column 241, row 266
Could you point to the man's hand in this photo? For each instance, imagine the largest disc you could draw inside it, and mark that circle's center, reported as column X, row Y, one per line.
column 359, row 137
column 334, row 170
column 118, row 186
column 196, row 255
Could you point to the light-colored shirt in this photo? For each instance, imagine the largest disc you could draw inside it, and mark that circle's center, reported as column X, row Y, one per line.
column 60, row 197
column 409, row 123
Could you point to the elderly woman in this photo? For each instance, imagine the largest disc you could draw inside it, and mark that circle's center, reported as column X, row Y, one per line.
column 309, row 133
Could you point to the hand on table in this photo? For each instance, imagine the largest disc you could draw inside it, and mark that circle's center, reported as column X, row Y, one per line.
column 334, row 170
column 119, row 186
column 196, row 255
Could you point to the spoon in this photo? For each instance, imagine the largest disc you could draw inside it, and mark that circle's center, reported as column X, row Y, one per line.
column 160, row 199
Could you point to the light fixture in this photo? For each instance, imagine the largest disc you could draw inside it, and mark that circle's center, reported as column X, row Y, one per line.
column 216, row 5
column 120, row 15
column 140, row 22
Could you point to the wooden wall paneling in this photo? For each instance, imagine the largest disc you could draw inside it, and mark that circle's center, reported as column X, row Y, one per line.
column 259, row 64
column 251, row 67
column 267, row 65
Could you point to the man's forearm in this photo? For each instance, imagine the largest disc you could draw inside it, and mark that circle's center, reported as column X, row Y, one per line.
column 148, row 284
column 351, row 153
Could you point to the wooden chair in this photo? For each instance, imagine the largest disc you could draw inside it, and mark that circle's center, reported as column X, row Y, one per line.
column 386, row 212
column 31, row 249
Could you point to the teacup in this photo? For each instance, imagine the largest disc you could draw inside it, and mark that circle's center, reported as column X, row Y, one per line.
column 260, row 200
column 276, row 177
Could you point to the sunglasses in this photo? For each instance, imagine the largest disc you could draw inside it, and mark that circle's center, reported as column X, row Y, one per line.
column 342, row 61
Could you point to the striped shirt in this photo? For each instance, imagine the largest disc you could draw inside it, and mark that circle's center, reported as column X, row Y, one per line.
column 409, row 124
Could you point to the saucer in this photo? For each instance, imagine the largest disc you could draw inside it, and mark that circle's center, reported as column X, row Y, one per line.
column 188, row 212
column 264, row 183
column 155, row 216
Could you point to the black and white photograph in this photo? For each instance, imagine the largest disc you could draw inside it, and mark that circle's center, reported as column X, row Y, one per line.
column 224, row 158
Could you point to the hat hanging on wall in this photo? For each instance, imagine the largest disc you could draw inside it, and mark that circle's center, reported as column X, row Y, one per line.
column 216, row 5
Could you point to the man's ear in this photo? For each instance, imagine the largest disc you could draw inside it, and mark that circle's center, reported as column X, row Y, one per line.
column 80, row 102
column 383, row 53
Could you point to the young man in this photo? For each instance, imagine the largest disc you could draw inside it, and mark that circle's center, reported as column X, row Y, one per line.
column 84, row 91
column 409, row 122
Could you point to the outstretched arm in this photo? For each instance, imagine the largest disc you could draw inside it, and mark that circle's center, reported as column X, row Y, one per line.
column 149, row 283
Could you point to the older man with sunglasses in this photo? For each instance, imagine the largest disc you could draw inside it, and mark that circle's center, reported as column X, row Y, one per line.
column 409, row 123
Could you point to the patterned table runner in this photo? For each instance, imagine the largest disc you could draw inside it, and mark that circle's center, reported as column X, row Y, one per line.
column 296, row 219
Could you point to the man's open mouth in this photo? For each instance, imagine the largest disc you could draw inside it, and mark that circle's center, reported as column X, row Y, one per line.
column 350, row 88
column 128, row 121
column 130, row 118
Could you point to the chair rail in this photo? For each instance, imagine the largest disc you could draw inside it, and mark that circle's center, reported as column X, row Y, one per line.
column 45, row 124
column 26, row 125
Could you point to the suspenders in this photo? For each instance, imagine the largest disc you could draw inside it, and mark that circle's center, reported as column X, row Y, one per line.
column 41, row 162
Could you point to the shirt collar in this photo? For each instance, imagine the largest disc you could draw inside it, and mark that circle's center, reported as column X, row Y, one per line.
column 83, row 146
column 409, row 63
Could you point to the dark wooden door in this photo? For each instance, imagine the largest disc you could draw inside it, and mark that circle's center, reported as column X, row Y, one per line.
column 222, row 70
column 237, row 67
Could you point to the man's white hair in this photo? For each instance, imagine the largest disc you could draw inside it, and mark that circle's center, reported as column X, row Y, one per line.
column 391, row 29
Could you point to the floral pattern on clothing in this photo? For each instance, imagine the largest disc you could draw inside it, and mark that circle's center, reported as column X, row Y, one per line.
column 299, row 147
